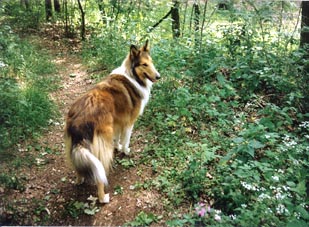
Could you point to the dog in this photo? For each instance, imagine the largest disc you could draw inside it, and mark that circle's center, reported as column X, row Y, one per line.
column 102, row 119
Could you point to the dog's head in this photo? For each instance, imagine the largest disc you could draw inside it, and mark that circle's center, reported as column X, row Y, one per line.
column 141, row 64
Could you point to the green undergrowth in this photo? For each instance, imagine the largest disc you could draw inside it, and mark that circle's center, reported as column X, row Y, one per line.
column 230, row 138
column 26, row 78
column 227, row 131
column 227, row 126
column 27, row 75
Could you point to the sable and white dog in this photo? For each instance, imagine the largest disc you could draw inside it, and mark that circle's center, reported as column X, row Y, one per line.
column 103, row 118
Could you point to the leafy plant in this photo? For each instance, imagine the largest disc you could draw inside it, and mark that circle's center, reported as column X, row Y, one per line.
column 76, row 208
column 193, row 179
column 143, row 219
column 25, row 105
column 11, row 181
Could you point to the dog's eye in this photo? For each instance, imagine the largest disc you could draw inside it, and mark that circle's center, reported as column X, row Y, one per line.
column 145, row 64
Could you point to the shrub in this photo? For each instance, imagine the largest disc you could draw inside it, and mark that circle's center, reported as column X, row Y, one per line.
column 25, row 107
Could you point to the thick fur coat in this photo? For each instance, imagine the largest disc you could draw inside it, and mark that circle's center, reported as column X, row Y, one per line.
column 102, row 119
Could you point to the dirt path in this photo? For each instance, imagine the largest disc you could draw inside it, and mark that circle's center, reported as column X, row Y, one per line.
column 50, row 196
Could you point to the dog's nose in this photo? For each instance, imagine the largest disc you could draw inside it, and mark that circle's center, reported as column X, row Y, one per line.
column 158, row 76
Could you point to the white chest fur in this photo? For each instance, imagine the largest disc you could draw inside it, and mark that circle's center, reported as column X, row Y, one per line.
column 143, row 91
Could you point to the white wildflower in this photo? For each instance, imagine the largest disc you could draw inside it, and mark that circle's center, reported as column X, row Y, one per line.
column 280, row 196
column 2, row 64
column 286, row 188
column 304, row 124
column 268, row 211
column 281, row 209
column 217, row 217
column 280, row 171
column 263, row 196
column 297, row 215
column 248, row 186
column 275, row 178
column 289, row 142
column 243, row 205
column 267, row 136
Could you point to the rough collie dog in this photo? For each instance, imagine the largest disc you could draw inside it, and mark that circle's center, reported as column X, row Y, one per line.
column 103, row 118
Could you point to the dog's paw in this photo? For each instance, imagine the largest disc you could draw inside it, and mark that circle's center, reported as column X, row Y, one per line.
column 105, row 199
column 126, row 150
column 118, row 147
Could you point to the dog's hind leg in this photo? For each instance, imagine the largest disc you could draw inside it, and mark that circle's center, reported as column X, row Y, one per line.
column 102, row 148
column 103, row 198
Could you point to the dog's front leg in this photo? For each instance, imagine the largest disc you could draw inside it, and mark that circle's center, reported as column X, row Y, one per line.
column 117, row 142
column 125, row 139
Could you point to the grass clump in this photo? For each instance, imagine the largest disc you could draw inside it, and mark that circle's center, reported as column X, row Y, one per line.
column 25, row 79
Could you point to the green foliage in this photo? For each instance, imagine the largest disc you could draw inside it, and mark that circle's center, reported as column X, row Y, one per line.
column 12, row 182
column 23, row 17
column 193, row 179
column 225, row 120
column 25, row 107
column 143, row 219
column 76, row 208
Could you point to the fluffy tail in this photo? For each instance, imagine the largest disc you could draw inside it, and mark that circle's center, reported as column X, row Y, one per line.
column 88, row 165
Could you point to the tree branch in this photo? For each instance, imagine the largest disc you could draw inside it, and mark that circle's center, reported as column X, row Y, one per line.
column 163, row 18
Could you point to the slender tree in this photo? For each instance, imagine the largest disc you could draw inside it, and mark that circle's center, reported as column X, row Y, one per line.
column 184, row 18
column 304, row 36
column 25, row 3
column 48, row 9
column 304, row 43
column 83, row 24
column 196, row 20
column 175, row 19
column 102, row 10
column 57, row 6
column 166, row 16
column 66, row 13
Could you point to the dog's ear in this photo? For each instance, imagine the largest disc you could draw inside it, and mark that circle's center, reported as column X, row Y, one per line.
column 146, row 47
column 134, row 52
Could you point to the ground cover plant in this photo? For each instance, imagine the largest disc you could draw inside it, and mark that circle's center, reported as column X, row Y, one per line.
column 229, row 138
column 25, row 81
column 25, row 107
column 225, row 134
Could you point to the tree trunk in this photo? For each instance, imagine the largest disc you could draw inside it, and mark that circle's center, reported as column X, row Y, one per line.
column 184, row 18
column 304, row 36
column 57, row 6
column 304, row 43
column 48, row 9
column 25, row 3
column 102, row 10
column 162, row 19
column 66, row 14
column 83, row 25
column 196, row 23
column 175, row 19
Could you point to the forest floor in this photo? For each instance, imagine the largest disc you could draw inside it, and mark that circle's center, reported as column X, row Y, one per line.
column 45, row 193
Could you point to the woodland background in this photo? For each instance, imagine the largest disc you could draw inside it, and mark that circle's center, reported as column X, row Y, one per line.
column 227, row 126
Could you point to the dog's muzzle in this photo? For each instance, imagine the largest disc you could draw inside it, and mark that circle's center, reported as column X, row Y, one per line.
column 158, row 76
